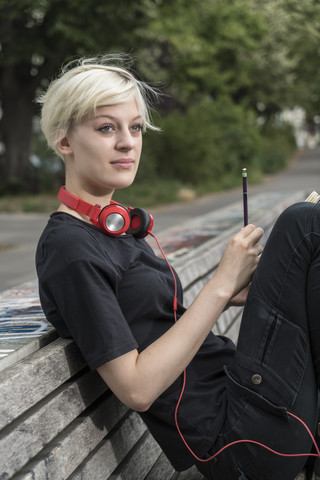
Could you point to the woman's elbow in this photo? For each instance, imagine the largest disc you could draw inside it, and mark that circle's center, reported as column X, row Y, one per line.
column 139, row 402
column 136, row 395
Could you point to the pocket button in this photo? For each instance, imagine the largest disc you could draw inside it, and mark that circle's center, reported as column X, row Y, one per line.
column 256, row 379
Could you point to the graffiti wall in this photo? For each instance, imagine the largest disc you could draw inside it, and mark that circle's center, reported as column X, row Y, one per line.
column 21, row 319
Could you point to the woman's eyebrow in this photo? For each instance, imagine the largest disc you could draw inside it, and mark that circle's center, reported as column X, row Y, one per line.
column 138, row 117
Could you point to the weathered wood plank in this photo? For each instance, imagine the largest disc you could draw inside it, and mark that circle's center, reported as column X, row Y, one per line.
column 27, row 382
column 32, row 345
column 137, row 465
column 23, row 326
column 60, row 458
column 191, row 474
column 23, row 439
column 112, row 450
column 162, row 469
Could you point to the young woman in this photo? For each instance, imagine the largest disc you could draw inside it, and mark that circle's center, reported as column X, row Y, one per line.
column 101, row 284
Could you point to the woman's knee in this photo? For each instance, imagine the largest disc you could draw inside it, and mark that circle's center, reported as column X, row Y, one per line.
column 298, row 214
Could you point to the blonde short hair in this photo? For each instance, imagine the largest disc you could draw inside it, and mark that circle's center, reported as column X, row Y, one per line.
column 86, row 84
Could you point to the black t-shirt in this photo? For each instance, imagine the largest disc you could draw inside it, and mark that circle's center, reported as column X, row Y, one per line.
column 113, row 295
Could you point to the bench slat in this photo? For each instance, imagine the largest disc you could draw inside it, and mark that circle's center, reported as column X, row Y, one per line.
column 27, row 382
column 20, row 443
column 141, row 459
column 69, row 449
column 114, row 448
column 191, row 474
column 32, row 345
column 162, row 469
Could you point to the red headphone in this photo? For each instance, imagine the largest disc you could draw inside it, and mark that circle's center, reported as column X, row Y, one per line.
column 114, row 219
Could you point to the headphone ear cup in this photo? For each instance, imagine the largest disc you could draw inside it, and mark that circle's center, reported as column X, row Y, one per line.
column 114, row 220
column 141, row 222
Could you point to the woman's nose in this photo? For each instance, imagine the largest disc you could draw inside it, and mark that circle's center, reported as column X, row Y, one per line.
column 125, row 140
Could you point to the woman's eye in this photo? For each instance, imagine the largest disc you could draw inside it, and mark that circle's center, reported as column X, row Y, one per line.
column 137, row 127
column 106, row 128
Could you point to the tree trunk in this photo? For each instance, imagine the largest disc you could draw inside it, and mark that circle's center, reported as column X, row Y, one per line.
column 17, row 93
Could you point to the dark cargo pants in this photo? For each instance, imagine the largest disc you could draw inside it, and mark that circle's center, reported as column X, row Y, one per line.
column 276, row 368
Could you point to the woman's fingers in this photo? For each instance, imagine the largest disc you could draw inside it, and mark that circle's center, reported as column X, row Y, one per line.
column 241, row 257
column 252, row 233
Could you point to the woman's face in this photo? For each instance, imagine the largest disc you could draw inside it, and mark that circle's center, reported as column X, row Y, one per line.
column 102, row 152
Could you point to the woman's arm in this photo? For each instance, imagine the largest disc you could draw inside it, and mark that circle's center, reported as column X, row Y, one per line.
column 138, row 379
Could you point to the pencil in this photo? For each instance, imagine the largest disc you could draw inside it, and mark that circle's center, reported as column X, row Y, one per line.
column 245, row 196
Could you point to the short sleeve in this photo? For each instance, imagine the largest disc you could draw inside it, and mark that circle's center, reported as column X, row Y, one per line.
column 78, row 296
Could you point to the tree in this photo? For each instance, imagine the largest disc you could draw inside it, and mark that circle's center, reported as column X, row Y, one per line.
column 203, row 48
column 36, row 37
column 263, row 55
column 286, row 72
column 303, row 38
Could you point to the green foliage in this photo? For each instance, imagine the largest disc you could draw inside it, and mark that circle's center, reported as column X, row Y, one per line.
column 223, row 65
column 201, row 48
column 278, row 144
column 29, row 203
column 156, row 191
column 50, row 31
column 48, row 168
column 210, row 141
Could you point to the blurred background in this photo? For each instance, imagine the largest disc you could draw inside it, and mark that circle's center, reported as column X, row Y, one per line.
column 241, row 81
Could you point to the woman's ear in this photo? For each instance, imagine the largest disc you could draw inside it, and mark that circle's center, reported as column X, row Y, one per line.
column 64, row 146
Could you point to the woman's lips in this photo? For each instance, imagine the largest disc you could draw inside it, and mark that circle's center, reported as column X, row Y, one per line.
column 125, row 163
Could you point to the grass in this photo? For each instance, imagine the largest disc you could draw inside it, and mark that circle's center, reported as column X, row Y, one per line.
column 143, row 194
column 29, row 203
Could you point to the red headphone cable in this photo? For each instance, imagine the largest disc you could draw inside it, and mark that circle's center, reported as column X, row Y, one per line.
column 175, row 299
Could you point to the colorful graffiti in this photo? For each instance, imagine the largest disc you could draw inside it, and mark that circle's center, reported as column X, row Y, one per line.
column 21, row 318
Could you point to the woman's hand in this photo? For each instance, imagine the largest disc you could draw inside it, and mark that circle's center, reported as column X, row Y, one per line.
column 239, row 261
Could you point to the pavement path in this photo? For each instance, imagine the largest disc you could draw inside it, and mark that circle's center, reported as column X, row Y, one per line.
column 19, row 233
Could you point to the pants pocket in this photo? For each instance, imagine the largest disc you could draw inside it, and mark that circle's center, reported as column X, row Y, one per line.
column 258, row 430
column 272, row 353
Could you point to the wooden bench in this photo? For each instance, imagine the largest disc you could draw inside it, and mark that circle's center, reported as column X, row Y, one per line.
column 58, row 420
